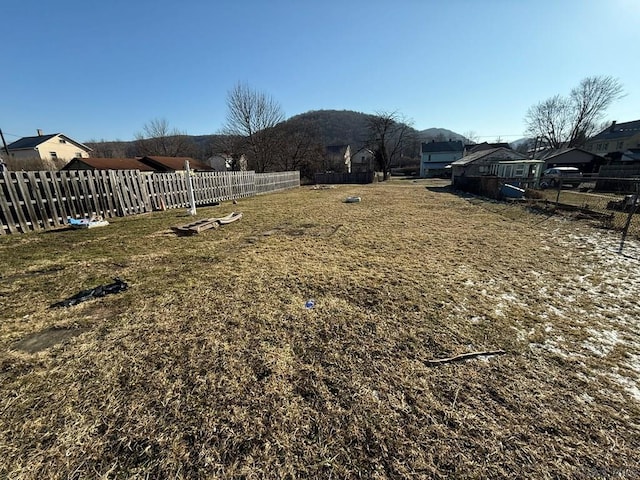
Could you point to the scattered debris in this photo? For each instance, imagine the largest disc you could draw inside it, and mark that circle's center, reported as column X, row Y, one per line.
column 206, row 224
column 323, row 187
column 465, row 356
column 353, row 200
column 94, row 221
column 117, row 286
column 310, row 303
column 511, row 191
column 626, row 204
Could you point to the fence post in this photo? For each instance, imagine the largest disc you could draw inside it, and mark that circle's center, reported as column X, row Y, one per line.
column 625, row 230
column 559, row 183
column 192, row 200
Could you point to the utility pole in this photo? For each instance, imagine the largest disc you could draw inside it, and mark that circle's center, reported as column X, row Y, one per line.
column 4, row 143
column 3, row 166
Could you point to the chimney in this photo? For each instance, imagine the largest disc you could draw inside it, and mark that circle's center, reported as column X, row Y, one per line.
column 39, row 132
column 612, row 127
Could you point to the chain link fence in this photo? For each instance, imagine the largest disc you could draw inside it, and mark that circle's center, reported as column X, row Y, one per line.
column 613, row 202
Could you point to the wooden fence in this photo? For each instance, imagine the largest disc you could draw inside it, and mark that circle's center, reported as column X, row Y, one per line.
column 46, row 199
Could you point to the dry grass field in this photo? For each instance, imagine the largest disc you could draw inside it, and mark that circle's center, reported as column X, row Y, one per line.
column 210, row 366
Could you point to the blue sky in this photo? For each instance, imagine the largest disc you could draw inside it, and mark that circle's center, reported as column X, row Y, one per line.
column 101, row 70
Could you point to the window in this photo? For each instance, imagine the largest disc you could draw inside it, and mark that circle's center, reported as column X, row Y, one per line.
column 62, row 140
column 519, row 171
column 78, row 154
column 53, row 155
column 620, row 145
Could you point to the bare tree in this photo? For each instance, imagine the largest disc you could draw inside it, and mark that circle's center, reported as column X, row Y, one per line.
column 471, row 136
column 157, row 138
column 108, row 149
column 389, row 132
column 252, row 115
column 569, row 121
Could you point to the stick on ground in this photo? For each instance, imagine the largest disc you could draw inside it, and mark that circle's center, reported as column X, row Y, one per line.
column 464, row 356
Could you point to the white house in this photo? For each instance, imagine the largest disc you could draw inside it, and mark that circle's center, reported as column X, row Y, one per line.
column 363, row 161
column 437, row 156
column 55, row 146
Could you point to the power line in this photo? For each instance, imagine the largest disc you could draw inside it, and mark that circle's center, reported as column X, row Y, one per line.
column 496, row 136
column 13, row 135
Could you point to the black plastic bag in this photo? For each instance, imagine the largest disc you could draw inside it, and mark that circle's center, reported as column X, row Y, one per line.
column 117, row 286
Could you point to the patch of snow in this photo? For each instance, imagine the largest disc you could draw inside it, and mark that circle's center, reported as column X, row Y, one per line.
column 634, row 362
column 631, row 386
column 555, row 311
column 584, row 398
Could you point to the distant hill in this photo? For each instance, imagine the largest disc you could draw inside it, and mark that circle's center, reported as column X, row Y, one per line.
column 439, row 134
column 329, row 127
column 333, row 127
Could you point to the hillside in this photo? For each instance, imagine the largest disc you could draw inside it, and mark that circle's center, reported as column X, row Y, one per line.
column 349, row 127
column 333, row 127
column 441, row 134
column 329, row 127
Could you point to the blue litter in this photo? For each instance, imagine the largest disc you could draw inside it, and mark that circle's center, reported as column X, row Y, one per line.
column 310, row 303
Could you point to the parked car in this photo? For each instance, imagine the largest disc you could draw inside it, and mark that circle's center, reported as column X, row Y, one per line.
column 552, row 177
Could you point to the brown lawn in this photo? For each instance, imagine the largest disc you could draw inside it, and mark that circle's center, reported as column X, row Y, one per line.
column 210, row 366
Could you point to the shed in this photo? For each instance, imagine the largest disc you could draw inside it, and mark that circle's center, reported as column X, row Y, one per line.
column 107, row 164
column 586, row 161
column 473, row 172
column 174, row 164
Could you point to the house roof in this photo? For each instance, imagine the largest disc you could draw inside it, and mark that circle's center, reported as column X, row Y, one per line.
column 173, row 163
column 27, row 143
column 452, row 146
column 111, row 164
column 488, row 153
column 30, row 142
column 485, row 146
column 550, row 154
column 618, row 130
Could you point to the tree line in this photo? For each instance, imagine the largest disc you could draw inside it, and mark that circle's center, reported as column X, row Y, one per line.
column 255, row 129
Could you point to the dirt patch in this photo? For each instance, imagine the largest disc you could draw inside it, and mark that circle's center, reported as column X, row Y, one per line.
column 37, row 342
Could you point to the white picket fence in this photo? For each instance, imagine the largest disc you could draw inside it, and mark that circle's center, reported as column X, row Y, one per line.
column 45, row 199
